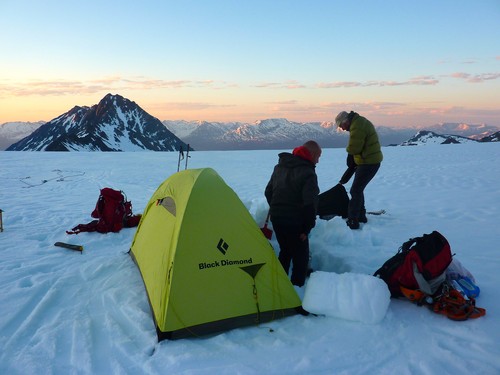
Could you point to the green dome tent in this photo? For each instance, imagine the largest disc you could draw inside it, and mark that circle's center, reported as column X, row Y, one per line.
column 204, row 261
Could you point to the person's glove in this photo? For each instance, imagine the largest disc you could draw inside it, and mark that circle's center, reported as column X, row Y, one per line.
column 309, row 215
column 347, row 175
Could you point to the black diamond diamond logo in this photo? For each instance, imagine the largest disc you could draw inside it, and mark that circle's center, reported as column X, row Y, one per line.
column 222, row 246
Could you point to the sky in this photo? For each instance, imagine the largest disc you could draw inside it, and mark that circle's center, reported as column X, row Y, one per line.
column 398, row 63
column 65, row 312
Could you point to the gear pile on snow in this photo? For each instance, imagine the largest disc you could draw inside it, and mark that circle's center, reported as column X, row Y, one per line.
column 449, row 301
column 418, row 272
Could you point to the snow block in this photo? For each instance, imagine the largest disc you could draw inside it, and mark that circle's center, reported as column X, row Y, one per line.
column 349, row 296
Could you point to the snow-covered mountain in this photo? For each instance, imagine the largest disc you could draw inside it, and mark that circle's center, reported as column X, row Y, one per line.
column 202, row 135
column 129, row 129
column 115, row 124
column 495, row 137
column 474, row 131
column 11, row 132
column 425, row 137
column 284, row 134
column 263, row 134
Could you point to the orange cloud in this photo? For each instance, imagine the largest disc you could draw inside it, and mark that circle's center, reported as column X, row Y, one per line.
column 187, row 106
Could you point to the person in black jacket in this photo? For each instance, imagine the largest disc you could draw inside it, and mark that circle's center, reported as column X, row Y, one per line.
column 292, row 193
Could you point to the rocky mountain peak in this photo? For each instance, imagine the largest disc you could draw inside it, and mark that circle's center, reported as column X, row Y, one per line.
column 114, row 124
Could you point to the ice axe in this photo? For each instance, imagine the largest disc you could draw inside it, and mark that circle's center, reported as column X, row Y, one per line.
column 70, row 246
column 268, row 233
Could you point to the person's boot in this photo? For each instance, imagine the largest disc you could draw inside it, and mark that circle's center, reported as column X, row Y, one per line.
column 362, row 217
column 353, row 223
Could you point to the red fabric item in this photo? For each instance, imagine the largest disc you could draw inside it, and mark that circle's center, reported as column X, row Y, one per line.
column 112, row 211
column 302, row 152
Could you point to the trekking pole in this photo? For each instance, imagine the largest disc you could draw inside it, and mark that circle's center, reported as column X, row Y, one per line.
column 187, row 156
column 1, row 221
column 181, row 156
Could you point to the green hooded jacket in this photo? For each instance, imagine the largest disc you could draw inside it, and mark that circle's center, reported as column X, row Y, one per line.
column 363, row 142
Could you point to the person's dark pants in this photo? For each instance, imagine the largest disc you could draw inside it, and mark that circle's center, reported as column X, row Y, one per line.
column 364, row 174
column 292, row 250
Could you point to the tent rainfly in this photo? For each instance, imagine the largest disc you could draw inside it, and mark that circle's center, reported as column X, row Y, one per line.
column 204, row 261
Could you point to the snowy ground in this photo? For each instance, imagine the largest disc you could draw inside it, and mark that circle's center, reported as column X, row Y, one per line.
column 63, row 312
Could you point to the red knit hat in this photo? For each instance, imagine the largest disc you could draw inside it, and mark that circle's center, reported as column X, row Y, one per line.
column 302, row 152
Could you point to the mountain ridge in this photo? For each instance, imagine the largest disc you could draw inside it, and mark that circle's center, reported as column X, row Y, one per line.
column 118, row 124
column 424, row 137
column 114, row 124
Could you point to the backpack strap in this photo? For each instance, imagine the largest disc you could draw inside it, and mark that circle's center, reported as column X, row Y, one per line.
column 89, row 227
column 406, row 246
column 428, row 286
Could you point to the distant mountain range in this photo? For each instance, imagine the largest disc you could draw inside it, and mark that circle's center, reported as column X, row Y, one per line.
column 11, row 132
column 261, row 135
column 118, row 124
column 284, row 134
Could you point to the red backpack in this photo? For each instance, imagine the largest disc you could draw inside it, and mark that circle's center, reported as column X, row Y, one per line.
column 112, row 213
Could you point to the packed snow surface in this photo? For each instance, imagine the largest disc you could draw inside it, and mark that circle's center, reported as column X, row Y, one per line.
column 66, row 312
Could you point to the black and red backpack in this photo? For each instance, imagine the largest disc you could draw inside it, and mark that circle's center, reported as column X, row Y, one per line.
column 420, row 263
column 112, row 213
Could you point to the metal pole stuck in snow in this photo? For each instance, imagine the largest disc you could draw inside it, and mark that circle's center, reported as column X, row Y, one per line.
column 1, row 221
column 181, row 156
column 187, row 157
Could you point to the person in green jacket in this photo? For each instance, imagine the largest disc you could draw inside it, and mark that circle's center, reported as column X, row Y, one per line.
column 365, row 155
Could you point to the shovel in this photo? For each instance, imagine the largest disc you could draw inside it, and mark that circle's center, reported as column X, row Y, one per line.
column 268, row 233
